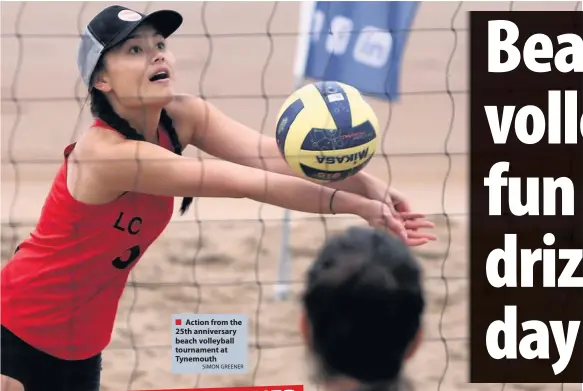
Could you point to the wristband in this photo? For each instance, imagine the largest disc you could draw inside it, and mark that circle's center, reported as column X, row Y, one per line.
column 332, row 199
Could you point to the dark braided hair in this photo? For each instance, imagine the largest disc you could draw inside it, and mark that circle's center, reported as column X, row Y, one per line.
column 101, row 108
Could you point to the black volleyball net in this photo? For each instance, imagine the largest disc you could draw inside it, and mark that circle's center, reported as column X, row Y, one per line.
column 225, row 256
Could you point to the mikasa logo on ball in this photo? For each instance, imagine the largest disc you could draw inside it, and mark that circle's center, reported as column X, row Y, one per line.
column 353, row 157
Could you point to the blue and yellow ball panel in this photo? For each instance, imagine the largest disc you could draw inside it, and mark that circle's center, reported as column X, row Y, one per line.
column 284, row 123
column 337, row 103
column 328, row 140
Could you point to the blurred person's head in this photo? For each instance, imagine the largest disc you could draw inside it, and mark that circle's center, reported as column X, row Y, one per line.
column 124, row 60
column 362, row 311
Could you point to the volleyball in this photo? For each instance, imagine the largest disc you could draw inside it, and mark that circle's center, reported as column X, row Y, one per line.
column 326, row 131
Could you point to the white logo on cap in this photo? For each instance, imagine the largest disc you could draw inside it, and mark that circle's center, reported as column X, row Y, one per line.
column 129, row 16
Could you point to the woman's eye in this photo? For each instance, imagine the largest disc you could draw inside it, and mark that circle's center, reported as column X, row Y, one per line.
column 135, row 49
column 161, row 45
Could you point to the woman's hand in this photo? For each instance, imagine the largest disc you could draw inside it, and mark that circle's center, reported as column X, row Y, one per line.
column 400, row 209
column 379, row 215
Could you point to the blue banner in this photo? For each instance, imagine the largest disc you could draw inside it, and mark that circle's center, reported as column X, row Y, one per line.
column 360, row 43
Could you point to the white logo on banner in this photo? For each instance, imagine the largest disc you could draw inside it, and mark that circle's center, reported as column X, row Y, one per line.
column 373, row 47
column 339, row 37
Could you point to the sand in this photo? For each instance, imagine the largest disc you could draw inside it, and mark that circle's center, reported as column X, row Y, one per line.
column 223, row 256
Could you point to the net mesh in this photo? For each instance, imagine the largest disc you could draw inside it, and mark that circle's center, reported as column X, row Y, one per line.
column 222, row 257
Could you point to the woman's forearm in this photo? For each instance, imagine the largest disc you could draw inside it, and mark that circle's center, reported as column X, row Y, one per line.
column 216, row 178
column 299, row 194
column 357, row 184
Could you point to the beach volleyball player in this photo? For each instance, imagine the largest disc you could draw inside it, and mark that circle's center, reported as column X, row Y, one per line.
column 113, row 196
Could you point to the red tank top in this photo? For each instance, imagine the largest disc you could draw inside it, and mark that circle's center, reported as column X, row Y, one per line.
column 61, row 289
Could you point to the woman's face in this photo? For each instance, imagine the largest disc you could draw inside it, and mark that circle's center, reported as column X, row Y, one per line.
column 139, row 71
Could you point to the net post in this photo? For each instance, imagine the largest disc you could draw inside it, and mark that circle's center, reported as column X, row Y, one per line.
column 306, row 9
column 282, row 288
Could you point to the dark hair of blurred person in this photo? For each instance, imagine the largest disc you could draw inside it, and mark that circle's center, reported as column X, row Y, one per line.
column 362, row 312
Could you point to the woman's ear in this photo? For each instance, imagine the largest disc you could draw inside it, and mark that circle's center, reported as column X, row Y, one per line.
column 101, row 82
column 414, row 345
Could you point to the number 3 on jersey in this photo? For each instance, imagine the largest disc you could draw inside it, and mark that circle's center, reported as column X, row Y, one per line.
column 131, row 226
column 121, row 263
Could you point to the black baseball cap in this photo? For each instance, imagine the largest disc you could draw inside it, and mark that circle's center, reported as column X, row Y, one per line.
column 112, row 26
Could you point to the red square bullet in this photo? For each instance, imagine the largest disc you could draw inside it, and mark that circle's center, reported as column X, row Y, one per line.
column 178, row 322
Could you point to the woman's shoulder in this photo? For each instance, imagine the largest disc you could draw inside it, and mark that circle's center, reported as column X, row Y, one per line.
column 185, row 110
column 184, row 106
column 97, row 137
